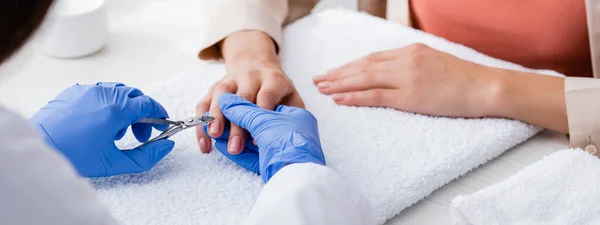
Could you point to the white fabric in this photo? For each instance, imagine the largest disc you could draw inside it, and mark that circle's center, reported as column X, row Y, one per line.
column 560, row 189
column 37, row 185
column 40, row 187
column 394, row 158
column 312, row 194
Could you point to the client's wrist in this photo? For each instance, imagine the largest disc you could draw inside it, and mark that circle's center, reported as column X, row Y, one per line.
column 491, row 91
column 533, row 98
column 251, row 44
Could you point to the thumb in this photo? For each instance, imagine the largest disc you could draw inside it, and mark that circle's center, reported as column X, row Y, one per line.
column 240, row 111
column 148, row 156
column 145, row 107
column 248, row 159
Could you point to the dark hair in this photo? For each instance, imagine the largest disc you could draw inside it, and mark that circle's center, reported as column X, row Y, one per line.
column 18, row 20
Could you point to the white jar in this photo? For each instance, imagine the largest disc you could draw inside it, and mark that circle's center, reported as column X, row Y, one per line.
column 75, row 28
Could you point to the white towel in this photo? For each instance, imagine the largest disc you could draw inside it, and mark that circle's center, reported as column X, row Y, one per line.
column 561, row 189
column 395, row 158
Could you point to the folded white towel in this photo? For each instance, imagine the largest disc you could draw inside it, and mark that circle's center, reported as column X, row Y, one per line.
column 561, row 189
column 395, row 158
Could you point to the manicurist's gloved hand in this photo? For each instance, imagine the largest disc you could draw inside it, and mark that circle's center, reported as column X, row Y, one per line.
column 84, row 121
column 285, row 136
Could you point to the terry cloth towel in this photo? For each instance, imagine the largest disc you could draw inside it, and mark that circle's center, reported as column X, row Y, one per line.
column 561, row 189
column 395, row 158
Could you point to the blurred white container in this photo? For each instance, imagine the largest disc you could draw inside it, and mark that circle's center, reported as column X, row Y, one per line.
column 75, row 28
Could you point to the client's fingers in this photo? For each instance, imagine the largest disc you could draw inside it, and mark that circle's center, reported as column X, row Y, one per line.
column 248, row 158
column 355, row 82
column 335, row 74
column 357, row 66
column 373, row 97
column 294, row 100
column 215, row 128
column 237, row 135
column 270, row 94
column 240, row 111
column 204, row 142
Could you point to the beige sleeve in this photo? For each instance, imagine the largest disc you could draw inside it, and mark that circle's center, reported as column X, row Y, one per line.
column 398, row 11
column 582, row 96
column 229, row 16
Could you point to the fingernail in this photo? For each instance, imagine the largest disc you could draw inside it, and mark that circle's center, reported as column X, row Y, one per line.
column 319, row 77
column 236, row 143
column 337, row 97
column 214, row 128
column 204, row 145
column 324, row 85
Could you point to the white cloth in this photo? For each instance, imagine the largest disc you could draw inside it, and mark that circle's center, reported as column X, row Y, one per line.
column 560, row 189
column 394, row 158
column 37, row 185
column 40, row 187
column 312, row 194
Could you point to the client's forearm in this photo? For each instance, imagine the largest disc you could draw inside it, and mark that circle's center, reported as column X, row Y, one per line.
column 251, row 44
column 533, row 98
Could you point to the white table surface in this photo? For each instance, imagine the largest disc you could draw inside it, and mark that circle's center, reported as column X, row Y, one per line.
column 150, row 39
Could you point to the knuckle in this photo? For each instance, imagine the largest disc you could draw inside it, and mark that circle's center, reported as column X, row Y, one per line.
column 202, row 105
column 278, row 86
column 267, row 95
column 254, row 72
column 224, row 86
column 367, row 60
column 416, row 59
column 246, row 95
column 276, row 80
column 364, row 66
column 228, row 80
column 301, row 104
column 366, row 78
column 281, row 80
column 376, row 96
column 269, row 74
column 334, row 72
column 416, row 47
column 276, row 74
column 271, row 87
column 371, row 58
column 349, row 98
column 206, row 98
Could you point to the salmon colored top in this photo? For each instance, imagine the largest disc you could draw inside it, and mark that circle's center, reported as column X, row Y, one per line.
column 541, row 34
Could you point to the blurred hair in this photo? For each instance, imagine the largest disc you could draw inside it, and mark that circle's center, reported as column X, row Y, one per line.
column 18, row 21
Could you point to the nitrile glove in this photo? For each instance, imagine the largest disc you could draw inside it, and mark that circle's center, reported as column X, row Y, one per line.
column 248, row 158
column 285, row 136
column 84, row 121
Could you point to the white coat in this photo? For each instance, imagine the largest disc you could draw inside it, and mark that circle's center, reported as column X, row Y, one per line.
column 39, row 186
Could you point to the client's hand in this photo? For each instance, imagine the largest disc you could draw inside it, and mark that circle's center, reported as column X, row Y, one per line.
column 415, row 78
column 253, row 72
column 285, row 136
column 84, row 121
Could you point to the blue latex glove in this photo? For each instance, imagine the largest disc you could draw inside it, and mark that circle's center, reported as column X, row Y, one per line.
column 248, row 158
column 84, row 121
column 285, row 136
